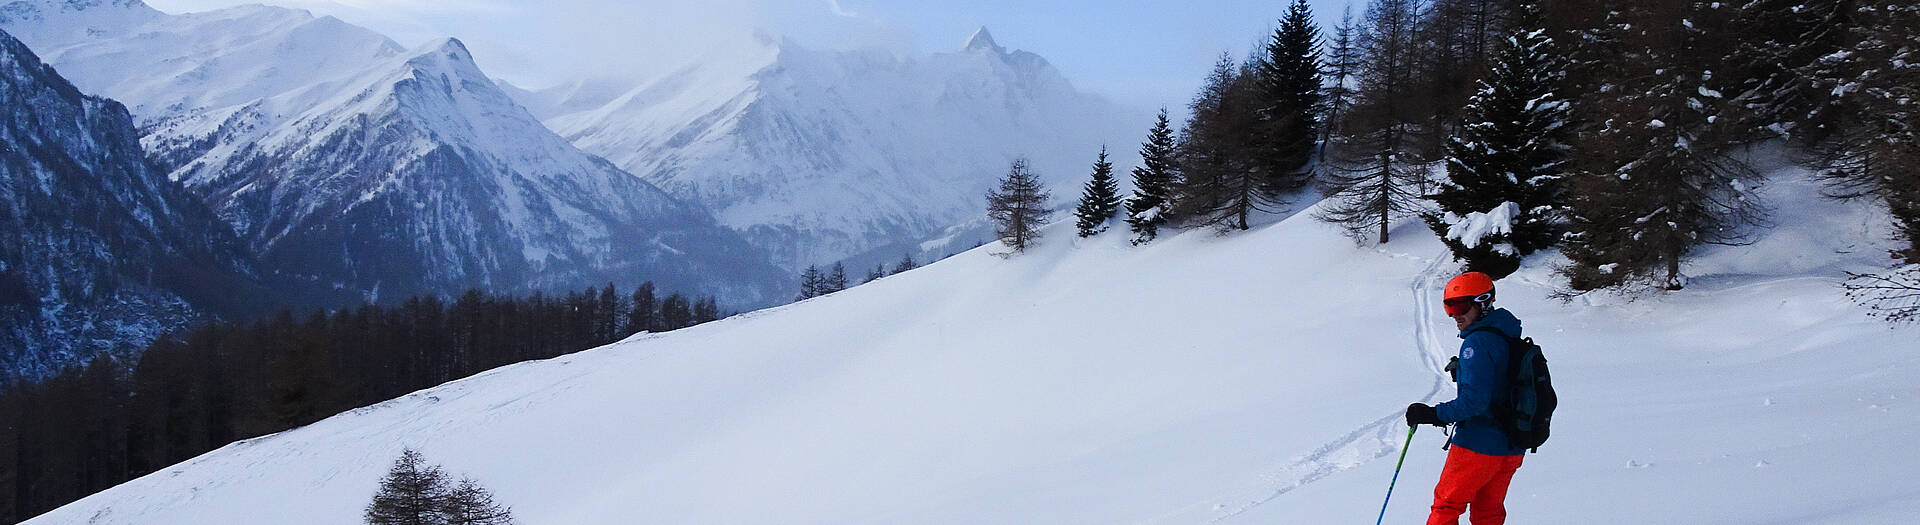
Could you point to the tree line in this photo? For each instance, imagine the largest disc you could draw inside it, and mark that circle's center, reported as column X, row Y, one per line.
column 90, row 428
column 1617, row 132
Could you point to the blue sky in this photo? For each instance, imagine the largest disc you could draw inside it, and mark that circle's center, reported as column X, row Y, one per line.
column 1140, row 53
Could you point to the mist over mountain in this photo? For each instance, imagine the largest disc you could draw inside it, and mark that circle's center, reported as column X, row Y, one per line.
column 821, row 155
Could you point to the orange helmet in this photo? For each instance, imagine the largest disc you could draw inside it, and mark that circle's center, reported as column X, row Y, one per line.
column 1465, row 290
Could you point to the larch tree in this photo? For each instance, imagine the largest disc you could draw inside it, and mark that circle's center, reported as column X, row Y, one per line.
column 1376, row 172
column 1018, row 207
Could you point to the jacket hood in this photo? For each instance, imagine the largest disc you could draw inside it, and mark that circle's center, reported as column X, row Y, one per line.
column 1499, row 319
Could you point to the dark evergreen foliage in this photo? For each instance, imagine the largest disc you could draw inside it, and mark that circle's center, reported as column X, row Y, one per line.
column 906, row 263
column 1154, row 182
column 1018, row 208
column 1510, row 155
column 1288, row 103
column 1099, row 199
column 1872, row 145
column 875, row 275
column 226, row 381
column 1660, row 177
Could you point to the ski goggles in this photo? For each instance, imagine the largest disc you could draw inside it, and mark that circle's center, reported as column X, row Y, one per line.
column 1459, row 305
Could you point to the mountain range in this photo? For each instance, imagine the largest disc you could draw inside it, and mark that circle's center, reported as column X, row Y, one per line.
column 819, row 156
column 352, row 164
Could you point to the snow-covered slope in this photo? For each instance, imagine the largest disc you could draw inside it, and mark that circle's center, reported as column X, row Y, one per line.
column 346, row 161
column 822, row 155
column 98, row 251
column 1252, row 378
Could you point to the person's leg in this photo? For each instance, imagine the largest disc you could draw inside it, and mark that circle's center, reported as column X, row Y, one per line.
column 1460, row 481
column 1490, row 504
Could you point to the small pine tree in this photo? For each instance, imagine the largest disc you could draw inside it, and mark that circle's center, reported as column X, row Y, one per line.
column 1018, row 208
column 811, row 283
column 906, row 263
column 470, row 504
column 875, row 275
column 835, row 280
column 1509, row 154
column 1154, row 182
column 412, row 493
column 1099, row 200
column 643, row 313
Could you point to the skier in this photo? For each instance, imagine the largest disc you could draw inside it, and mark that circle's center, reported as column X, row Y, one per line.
column 1481, row 461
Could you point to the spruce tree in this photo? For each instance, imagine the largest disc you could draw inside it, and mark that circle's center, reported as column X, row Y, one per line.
column 412, row 493
column 1289, row 91
column 1153, row 182
column 1099, row 199
column 1377, row 171
column 1018, row 208
column 1660, row 177
column 1507, row 162
column 1873, row 146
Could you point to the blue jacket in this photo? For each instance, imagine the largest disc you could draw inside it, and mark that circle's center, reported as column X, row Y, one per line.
column 1483, row 377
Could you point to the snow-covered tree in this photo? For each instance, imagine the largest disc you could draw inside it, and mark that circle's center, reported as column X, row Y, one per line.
column 1659, row 177
column 1873, row 146
column 1018, row 208
column 1378, row 167
column 1502, row 198
column 1153, row 181
column 1099, row 199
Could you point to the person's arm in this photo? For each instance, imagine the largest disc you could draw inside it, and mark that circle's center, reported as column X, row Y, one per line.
column 1480, row 359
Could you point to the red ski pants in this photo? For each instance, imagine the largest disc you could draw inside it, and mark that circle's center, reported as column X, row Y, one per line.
column 1473, row 479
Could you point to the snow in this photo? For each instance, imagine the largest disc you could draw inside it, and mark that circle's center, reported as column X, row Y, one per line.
column 1469, row 230
column 1257, row 377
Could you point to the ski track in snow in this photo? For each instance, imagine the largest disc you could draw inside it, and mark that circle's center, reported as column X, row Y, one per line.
column 1382, row 437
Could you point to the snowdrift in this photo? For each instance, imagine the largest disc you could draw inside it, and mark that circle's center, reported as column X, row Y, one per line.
column 1257, row 377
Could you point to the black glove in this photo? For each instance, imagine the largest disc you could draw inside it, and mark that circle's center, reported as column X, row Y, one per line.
column 1423, row 414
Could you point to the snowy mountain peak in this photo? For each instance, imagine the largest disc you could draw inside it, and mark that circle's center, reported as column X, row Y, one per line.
column 983, row 41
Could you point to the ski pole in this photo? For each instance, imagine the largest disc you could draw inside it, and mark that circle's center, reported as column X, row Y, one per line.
column 1396, row 473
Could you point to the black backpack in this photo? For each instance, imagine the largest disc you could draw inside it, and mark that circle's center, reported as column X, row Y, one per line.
column 1525, row 412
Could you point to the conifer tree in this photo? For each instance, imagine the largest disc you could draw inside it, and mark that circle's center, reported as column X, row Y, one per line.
column 811, row 283
column 1343, row 63
column 1099, row 199
column 1873, row 146
column 643, row 313
column 412, row 493
column 1018, row 208
column 1288, row 100
column 706, row 310
column 835, row 280
column 875, row 275
column 470, row 504
column 676, row 312
column 906, row 263
column 1506, row 164
column 1153, row 182
column 1220, row 182
column 1659, row 178
column 1376, row 172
